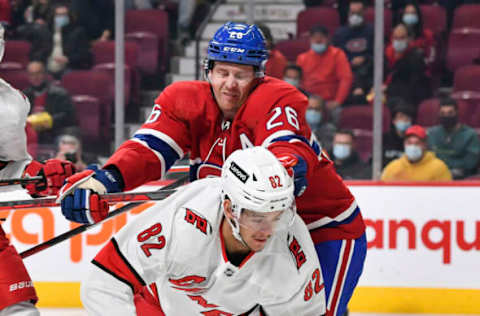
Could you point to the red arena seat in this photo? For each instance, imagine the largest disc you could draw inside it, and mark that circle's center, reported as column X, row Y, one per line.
column 325, row 16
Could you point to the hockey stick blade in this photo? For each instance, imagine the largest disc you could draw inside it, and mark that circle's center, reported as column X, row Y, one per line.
column 80, row 229
column 111, row 198
column 22, row 181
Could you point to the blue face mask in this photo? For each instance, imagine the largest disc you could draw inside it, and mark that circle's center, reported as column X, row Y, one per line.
column 400, row 45
column 341, row 151
column 293, row 82
column 402, row 126
column 319, row 48
column 313, row 118
column 413, row 152
column 410, row 18
column 61, row 21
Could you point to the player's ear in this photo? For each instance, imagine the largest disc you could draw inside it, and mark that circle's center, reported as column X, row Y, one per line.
column 227, row 208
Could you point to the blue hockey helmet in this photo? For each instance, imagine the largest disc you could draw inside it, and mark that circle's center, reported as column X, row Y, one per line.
column 238, row 43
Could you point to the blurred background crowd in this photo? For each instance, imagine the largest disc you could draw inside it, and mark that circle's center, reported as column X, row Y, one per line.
column 60, row 54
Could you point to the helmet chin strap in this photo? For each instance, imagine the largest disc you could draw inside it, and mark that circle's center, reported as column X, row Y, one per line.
column 236, row 231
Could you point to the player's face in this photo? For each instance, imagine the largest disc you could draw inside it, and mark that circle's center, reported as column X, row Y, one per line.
column 231, row 84
column 256, row 228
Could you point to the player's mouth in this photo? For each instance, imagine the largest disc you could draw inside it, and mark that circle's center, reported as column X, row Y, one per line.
column 230, row 96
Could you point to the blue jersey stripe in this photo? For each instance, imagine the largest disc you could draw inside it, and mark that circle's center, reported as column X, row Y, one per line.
column 345, row 221
column 160, row 146
column 315, row 146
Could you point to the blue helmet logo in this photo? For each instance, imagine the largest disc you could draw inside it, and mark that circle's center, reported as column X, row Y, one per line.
column 238, row 43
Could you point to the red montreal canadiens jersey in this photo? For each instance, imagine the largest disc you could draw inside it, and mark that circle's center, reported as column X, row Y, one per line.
column 187, row 120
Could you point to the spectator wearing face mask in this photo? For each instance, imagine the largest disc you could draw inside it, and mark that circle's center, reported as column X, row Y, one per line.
column 346, row 159
column 406, row 74
column 417, row 164
column 315, row 116
column 356, row 40
column 71, row 48
column 326, row 71
column 423, row 38
column 402, row 118
column 293, row 75
column 276, row 61
column 453, row 142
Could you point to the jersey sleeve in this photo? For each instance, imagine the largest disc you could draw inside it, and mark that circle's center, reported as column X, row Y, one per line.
column 155, row 147
column 135, row 257
column 308, row 296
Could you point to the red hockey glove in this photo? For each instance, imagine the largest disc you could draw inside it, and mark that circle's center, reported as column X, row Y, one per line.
column 296, row 168
column 55, row 171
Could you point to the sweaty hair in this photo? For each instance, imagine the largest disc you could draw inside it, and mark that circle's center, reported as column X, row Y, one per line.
column 319, row 29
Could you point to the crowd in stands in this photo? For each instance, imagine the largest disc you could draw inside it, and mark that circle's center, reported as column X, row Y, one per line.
column 60, row 54
column 431, row 101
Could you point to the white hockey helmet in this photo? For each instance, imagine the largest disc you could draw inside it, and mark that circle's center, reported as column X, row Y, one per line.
column 2, row 41
column 253, row 179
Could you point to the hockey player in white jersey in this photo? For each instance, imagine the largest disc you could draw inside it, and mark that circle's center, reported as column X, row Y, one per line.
column 220, row 246
column 17, row 295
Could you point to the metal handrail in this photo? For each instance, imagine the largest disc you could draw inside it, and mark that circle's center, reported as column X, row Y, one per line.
column 198, row 36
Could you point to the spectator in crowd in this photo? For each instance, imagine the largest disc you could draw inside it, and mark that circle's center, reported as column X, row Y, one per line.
column 18, row 8
column 315, row 116
column 347, row 161
column 402, row 119
column 356, row 40
column 69, row 147
column 51, row 106
column 71, row 48
column 406, row 74
column 453, row 142
column 326, row 71
column 96, row 17
column 276, row 61
column 417, row 164
column 423, row 38
column 293, row 74
column 36, row 30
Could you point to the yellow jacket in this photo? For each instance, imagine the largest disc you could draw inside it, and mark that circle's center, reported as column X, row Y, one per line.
column 429, row 168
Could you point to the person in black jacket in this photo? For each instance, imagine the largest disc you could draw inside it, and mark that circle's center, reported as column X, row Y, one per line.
column 51, row 108
column 356, row 40
column 70, row 45
column 406, row 74
column 346, row 159
column 403, row 116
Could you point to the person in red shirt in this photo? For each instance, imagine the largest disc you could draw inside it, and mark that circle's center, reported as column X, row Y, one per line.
column 326, row 71
column 276, row 61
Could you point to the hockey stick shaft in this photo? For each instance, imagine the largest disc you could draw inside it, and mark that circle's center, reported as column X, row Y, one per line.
column 111, row 198
column 23, row 181
column 80, row 229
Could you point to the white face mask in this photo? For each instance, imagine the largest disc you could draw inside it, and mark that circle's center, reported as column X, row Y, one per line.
column 413, row 152
column 293, row 82
column 355, row 20
column 400, row 45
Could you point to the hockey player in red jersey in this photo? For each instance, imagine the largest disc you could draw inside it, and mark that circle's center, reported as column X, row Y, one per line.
column 237, row 107
column 17, row 295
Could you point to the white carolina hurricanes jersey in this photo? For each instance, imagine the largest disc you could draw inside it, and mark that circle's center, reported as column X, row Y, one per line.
column 14, row 108
column 176, row 249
